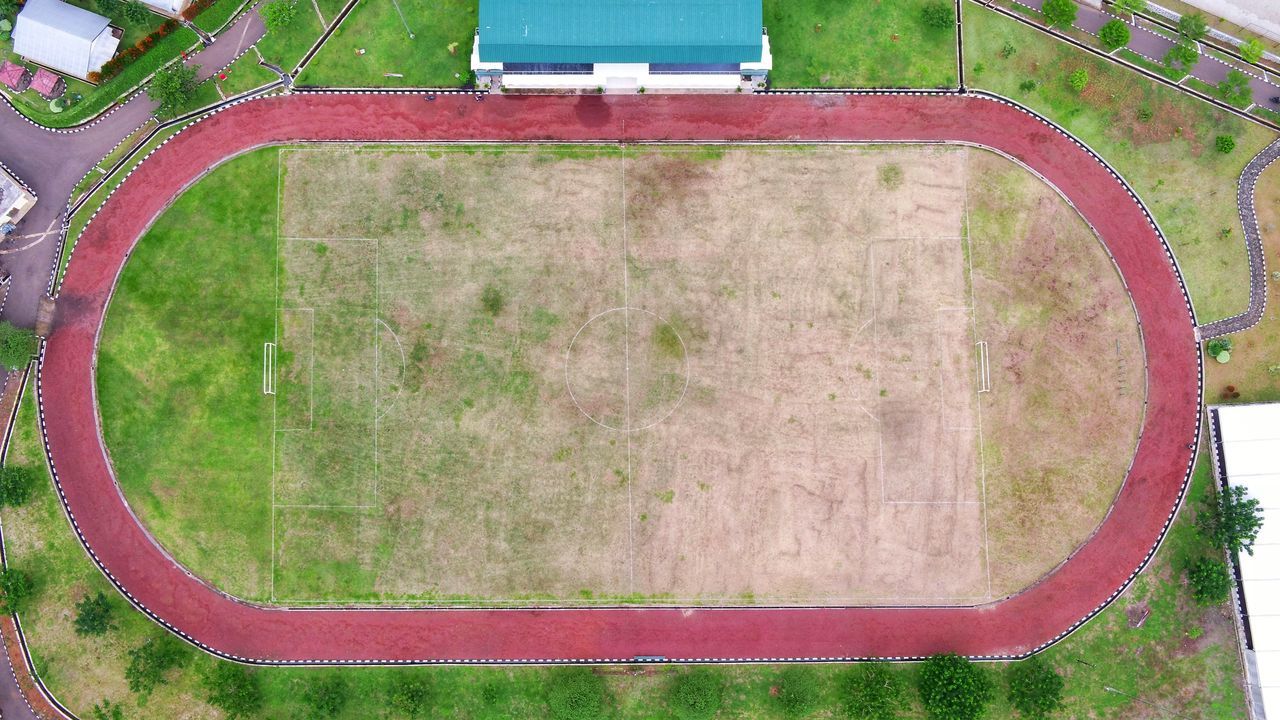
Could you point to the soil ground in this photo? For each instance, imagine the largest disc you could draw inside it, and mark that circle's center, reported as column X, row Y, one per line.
column 566, row 375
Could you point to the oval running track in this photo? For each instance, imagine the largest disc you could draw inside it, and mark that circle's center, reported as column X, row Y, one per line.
column 1012, row 627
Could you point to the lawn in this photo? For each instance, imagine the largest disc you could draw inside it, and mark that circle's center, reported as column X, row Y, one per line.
column 286, row 46
column 245, row 74
column 1160, row 140
column 871, row 43
column 438, row 56
column 218, row 14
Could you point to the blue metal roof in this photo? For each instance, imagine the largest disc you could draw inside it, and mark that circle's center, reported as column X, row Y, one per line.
column 620, row 31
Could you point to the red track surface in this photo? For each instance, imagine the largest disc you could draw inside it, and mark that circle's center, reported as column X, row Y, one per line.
column 1016, row 626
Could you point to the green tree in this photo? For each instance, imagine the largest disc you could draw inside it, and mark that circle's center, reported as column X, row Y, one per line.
column 93, row 615
column 1114, row 34
column 939, row 15
column 798, row 691
column 15, row 589
column 1218, row 345
column 1060, row 13
column 1223, row 144
column 8, row 8
column 326, row 694
column 17, row 345
column 1210, row 581
column 1182, row 57
column 872, row 692
column 150, row 661
column 1232, row 519
column 107, row 710
column 1235, row 88
column 233, row 689
column 409, row 694
column 172, row 87
column 109, row 7
column 1035, row 689
column 492, row 300
column 17, row 482
column 1079, row 80
column 696, row 694
column 1193, row 27
column 136, row 12
column 279, row 14
column 1251, row 50
column 952, row 688
column 1131, row 7
column 575, row 693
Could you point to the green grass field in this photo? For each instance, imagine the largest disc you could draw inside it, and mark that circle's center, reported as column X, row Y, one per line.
column 1168, row 158
column 286, row 46
column 880, row 43
column 438, row 55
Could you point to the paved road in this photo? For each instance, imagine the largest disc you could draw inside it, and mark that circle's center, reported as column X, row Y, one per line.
column 1153, row 46
column 1080, row 587
column 53, row 162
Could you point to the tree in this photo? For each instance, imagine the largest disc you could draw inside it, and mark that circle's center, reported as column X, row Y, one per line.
column 1233, row 520
column 1235, row 89
column 492, row 300
column 326, row 694
column 149, row 662
column 15, row 589
column 696, row 694
column 1210, row 581
column 1251, row 50
column 8, row 8
column 17, row 345
column 1079, row 80
column 233, row 689
column 110, row 7
column 1193, row 27
column 798, row 691
column 172, row 88
column 1219, row 345
column 939, row 15
column 107, row 710
column 1035, row 689
column 1131, row 7
column 872, row 692
column 408, row 694
column 1223, row 144
column 17, row 482
column 952, row 688
column 1114, row 34
column 1060, row 13
column 136, row 12
column 575, row 694
column 279, row 14
column 93, row 615
column 1182, row 57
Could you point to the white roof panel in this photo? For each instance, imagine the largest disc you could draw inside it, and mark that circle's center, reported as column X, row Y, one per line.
column 64, row 37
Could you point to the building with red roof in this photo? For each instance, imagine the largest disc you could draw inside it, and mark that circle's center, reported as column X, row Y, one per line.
column 14, row 76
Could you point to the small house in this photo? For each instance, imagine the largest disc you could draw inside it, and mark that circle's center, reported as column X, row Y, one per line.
column 64, row 37
column 14, row 76
column 15, row 200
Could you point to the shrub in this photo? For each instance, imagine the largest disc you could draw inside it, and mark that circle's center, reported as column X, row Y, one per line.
column 939, row 15
column 15, row 589
column 1145, row 114
column 1210, row 581
column 492, row 300
column 1235, row 88
column 1035, row 689
column 575, row 694
column 1193, row 27
column 278, row 14
column 1060, row 13
column 1131, row 6
column 233, row 689
column 408, row 694
column 93, row 615
column 1232, row 519
column 1027, row 85
column 872, row 692
column 136, row 12
column 1224, row 144
column 1251, row 50
column 149, row 662
column 8, row 8
column 94, row 77
column 1008, row 50
column 17, row 482
column 1079, row 80
column 326, row 694
column 1114, row 34
column 798, row 691
column 107, row 710
column 1218, row 345
column 696, row 694
column 17, row 345
column 952, row 688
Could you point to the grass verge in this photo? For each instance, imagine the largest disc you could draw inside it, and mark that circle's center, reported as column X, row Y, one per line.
column 286, row 46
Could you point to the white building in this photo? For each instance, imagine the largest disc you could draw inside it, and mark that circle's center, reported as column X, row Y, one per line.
column 64, row 37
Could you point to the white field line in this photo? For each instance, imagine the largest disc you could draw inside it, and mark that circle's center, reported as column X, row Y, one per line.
column 982, row 460
column 275, row 319
column 268, row 368
column 377, row 359
column 626, row 360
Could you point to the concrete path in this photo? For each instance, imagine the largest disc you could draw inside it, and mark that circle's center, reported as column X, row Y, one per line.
column 52, row 162
column 1153, row 46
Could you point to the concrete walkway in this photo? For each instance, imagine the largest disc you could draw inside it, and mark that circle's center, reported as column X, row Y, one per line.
column 30, row 151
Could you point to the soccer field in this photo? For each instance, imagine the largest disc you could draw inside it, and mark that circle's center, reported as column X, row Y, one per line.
column 791, row 375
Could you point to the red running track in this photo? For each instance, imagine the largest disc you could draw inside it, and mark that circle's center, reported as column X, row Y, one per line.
column 1079, row 588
